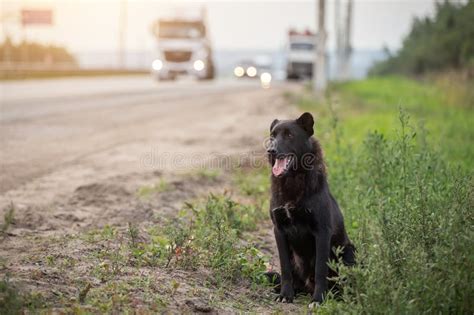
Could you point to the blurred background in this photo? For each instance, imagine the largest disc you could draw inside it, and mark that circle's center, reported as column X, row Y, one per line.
column 123, row 34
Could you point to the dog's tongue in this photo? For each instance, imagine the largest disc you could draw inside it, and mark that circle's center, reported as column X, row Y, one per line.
column 279, row 166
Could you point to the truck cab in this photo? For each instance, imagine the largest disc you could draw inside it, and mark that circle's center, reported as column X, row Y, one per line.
column 183, row 48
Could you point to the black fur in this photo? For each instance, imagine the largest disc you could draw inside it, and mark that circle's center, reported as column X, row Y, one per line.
column 307, row 220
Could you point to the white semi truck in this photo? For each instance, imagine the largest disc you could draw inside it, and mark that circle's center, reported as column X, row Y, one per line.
column 183, row 48
column 300, row 54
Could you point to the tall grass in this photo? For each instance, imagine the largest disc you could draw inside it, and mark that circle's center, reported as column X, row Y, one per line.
column 405, row 186
column 411, row 217
column 372, row 104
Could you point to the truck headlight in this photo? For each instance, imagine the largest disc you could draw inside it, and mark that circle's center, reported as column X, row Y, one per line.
column 265, row 79
column 157, row 65
column 239, row 71
column 251, row 71
column 198, row 65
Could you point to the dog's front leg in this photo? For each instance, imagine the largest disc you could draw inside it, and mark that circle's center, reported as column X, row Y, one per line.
column 287, row 292
column 321, row 267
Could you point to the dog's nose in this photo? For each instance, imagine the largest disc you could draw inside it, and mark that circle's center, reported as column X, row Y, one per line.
column 271, row 151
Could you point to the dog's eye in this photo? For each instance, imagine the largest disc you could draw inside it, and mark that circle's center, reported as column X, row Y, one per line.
column 288, row 134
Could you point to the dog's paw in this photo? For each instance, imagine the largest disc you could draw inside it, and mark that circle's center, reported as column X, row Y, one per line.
column 316, row 301
column 286, row 295
column 284, row 299
column 313, row 305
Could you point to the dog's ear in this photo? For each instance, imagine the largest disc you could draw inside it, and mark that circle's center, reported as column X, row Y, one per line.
column 306, row 121
column 276, row 121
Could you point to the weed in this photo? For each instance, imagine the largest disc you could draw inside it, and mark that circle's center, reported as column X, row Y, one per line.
column 8, row 218
column 408, row 211
column 133, row 235
column 208, row 174
column 255, row 183
column 412, row 210
column 50, row 260
column 12, row 302
column 149, row 190
column 206, row 235
column 83, row 293
column 112, row 255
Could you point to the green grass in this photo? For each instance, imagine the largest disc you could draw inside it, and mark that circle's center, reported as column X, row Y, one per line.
column 8, row 219
column 13, row 302
column 148, row 190
column 207, row 235
column 254, row 183
column 373, row 104
column 406, row 190
column 206, row 174
column 204, row 234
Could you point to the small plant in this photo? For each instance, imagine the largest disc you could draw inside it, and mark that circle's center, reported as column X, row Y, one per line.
column 178, row 247
column 254, row 265
column 8, row 218
column 147, row 191
column 112, row 256
column 255, row 183
column 206, row 235
column 208, row 174
column 133, row 235
column 14, row 302
column 174, row 287
column 83, row 293
column 108, row 233
column 10, row 300
column 50, row 260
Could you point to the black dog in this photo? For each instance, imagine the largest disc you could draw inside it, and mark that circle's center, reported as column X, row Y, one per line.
column 306, row 218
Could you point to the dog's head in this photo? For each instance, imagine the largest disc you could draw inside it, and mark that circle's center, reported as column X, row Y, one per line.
column 290, row 144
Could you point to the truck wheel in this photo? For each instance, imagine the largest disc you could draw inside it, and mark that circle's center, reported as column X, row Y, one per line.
column 292, row 76
column 210, row 73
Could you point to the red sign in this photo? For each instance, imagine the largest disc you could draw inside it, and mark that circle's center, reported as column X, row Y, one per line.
column 42, row 17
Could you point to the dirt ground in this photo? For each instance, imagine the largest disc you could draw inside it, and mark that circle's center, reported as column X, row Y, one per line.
column 90, row 160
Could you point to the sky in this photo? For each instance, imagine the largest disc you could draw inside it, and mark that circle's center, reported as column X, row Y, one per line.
column 85, row 25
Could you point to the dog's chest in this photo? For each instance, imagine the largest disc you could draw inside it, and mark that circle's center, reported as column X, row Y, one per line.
column 297, row 224
column 290, row 216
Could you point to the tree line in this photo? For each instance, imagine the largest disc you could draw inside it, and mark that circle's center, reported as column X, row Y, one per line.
column 445, row 41
column 33, row 52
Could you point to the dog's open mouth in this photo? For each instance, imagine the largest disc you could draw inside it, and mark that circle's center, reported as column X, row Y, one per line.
column 281, row 165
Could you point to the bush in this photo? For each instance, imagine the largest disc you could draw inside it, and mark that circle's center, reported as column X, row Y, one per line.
column 411, row 218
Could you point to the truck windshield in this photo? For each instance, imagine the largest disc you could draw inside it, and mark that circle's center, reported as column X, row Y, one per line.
column 181, row 30
column 301, row 46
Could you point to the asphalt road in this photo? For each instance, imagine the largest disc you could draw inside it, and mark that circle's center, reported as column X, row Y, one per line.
column 57, row 134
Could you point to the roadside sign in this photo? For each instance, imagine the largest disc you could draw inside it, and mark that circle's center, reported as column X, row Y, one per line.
column 36, row 17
